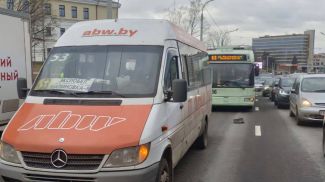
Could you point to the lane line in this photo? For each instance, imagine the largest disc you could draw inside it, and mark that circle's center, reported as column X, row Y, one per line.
column 256, row 100
column 258, row 131
column 257, row 108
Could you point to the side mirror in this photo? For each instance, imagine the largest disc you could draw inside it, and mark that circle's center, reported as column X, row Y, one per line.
column 179, row 90
column 22, row 88
column 293, row 91
column 257, row 70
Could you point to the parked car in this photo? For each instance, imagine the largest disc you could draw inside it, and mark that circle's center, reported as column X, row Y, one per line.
column 274, row 86
column 282, row 92
column 307, row 99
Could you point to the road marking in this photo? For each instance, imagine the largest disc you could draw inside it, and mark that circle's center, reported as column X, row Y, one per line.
column 256, row 100
column 258, row 131
column 257, row 108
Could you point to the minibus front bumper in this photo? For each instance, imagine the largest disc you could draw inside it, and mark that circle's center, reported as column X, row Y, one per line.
column 19, row 174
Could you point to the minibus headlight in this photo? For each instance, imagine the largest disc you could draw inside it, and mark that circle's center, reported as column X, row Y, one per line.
column 128, row 156
column 8, row 153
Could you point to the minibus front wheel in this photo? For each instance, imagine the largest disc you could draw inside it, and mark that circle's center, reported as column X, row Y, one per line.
column 165, row 172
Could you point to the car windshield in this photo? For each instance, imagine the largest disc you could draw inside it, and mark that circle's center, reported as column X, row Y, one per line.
column 233, row 75
column 316, row 84
column 287, row 82
column 268, row 81
column 130, row 71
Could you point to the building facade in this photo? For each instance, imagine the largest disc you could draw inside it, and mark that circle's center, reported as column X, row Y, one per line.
column 281, row 51
column 319, row 62
column 61, row 14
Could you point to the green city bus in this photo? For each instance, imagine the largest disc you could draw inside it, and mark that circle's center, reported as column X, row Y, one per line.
column 233, row 76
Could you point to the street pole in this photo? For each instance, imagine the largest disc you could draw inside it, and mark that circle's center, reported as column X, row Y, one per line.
column 202, row 18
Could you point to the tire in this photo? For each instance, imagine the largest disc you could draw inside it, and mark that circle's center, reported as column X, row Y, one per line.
column 202, row 141
column 291, row 113
column 299, row 121
column 165, row 171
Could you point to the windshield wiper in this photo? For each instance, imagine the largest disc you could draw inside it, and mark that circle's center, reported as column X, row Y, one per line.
column 100, row 92
column 63, row 92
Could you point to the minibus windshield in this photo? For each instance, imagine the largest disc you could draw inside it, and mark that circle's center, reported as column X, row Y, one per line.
column 100, row 71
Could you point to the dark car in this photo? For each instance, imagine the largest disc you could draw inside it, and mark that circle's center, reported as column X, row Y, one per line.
column 267, row 87
column 273, row 87
column 282, row 92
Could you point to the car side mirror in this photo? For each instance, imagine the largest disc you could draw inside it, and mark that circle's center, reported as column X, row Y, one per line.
column 179, row 90
column 293, row 91
column 22, row 89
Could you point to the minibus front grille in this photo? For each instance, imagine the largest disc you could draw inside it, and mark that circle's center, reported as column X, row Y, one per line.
column 75, row 161
column 34, row 177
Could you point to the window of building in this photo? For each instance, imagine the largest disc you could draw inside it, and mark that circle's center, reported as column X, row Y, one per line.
column 62, row 30
column 74, row 12
column 62, row 10
column 10, row 4
column 86, row 13
column 48, row 31
column 47, row 9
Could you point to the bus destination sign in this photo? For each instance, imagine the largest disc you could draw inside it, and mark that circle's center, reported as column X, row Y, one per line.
column 228, row 57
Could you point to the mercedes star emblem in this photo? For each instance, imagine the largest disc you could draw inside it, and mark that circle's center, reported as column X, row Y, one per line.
column 59, row 158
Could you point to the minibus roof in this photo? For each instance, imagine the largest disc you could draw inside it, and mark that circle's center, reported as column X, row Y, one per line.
column 126, row 32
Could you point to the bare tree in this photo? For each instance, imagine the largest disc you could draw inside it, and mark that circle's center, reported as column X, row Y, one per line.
column 188, row 17
column 177, row 16
column 218, row 38
column 41, row 21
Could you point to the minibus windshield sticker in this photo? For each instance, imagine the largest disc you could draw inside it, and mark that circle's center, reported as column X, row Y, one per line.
column 109, row 32
column 228, row 57
column 69, row 84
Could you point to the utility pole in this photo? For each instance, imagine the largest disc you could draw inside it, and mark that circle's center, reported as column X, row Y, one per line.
column 202, row 18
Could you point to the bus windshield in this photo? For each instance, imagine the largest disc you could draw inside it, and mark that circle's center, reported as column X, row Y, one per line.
column 233, row 75
column 107, row 71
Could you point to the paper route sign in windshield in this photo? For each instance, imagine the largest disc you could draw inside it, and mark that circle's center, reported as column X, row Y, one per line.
column 70, row 84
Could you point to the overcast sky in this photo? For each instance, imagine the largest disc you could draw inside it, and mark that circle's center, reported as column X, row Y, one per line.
column 254, row 18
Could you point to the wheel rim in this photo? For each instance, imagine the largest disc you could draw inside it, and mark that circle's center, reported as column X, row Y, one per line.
column 164, row 176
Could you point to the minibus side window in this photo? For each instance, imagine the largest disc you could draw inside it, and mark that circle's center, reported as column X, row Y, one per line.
column 172, row 68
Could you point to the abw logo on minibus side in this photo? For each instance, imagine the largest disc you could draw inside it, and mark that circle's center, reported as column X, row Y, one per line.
column 65, row 120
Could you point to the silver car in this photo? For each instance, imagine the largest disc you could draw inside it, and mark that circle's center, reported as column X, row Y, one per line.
column 307, row 98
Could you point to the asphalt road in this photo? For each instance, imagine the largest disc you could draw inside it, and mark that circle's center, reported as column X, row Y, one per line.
column 284, row 152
